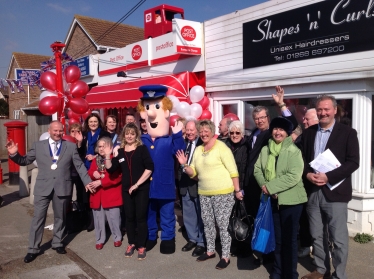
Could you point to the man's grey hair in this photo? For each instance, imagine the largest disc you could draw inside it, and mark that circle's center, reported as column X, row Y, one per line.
column 228, row 122
column 258, row 109
column 237, row 125
column 192, row 120
column 314, row 113
column 325, row 97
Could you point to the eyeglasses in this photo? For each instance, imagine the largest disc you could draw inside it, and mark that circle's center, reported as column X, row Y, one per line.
column 235, row 133
column 260, row 118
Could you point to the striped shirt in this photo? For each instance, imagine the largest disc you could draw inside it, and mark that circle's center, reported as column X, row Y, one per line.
column 322, row 137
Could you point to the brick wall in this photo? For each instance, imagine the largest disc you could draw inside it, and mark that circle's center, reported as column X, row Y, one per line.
column 79, row 44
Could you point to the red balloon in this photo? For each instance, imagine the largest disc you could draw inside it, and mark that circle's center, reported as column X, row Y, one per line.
column 173, row 119
column 73, row 121
column 231, row 116
column 72, row 114
column 48, row 80
column 206, row 114
column 204, row 102
column 79, row 89
column 78, row 105
column 72, row 74
column 69, row 138
column 49, row 105
column 86, row 114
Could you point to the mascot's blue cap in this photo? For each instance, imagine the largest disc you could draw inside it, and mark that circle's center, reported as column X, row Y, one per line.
column 151, row 92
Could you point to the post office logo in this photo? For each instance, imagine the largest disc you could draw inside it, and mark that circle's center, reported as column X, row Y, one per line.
column 136, row 52
column 188, row 33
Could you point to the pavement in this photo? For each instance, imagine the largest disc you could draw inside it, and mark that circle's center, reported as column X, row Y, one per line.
column 84, row 261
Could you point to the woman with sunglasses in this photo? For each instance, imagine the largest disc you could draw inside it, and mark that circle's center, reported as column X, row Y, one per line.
column 239, row 146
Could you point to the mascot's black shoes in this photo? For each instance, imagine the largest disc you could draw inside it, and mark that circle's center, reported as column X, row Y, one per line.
column 150, row 244
column 167, row 246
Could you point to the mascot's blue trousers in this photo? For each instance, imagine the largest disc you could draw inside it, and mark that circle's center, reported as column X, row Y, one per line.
column 167, row 219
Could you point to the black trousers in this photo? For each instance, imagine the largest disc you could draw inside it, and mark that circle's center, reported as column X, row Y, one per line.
column 136, row 211
column 304, row 232
column 286, row 223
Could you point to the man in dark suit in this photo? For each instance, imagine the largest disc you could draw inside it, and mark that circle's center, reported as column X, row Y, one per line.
column 257, row 140
column 54, row 157
column 190, row 199
column 328, row 207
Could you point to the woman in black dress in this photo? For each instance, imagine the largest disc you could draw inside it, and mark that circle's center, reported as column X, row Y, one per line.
column 136, row 165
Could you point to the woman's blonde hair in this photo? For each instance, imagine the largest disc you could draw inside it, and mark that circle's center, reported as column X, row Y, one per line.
column 207, row 123
column 128, row 128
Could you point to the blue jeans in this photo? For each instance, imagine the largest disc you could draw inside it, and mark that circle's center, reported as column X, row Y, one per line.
column 286, row 224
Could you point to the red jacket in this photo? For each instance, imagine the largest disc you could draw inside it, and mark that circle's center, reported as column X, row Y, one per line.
column 109, row 194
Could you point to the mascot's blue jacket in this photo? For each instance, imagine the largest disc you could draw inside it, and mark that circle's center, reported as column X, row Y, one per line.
column 163, row 151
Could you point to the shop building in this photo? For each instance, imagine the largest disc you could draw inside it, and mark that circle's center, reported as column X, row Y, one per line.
column 309, row 47
column 175, row 59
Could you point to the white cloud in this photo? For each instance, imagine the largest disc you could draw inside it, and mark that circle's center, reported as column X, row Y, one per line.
column 59, row 8
column 84, row 7
column 10, row 45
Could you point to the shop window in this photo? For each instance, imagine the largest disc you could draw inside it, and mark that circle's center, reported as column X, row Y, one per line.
column 229, row 108
column 298, row 107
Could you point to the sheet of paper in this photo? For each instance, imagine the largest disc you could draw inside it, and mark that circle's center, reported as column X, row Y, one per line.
column 326, row 162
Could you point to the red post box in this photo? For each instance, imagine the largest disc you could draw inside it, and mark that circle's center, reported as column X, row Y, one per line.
column 16, row 132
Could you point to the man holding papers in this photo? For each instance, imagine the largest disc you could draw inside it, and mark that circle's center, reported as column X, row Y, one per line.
column 329, row 186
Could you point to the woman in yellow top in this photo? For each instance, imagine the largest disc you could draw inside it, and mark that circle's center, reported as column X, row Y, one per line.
column 214, row 165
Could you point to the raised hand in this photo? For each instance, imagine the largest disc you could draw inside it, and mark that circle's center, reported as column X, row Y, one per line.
column 78, row 136
column 278, row 97
column 178, row 126
column 182, row 158
column 12, row 147
column 115, row 151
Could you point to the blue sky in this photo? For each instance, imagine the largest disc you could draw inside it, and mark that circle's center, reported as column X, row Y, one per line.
column 30, row 26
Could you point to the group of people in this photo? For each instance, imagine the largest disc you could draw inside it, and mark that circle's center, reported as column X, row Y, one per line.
column 214, row 171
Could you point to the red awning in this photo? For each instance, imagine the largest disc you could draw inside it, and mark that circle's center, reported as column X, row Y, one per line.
column 127, row 94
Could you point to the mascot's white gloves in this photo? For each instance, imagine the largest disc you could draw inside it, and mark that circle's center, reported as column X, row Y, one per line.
column 178, row 126
column 115, row 151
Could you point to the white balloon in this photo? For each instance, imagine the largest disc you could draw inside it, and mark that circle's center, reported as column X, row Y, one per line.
column 44, row 136
column 190, row 117
column 196, row 110
column 46, row 93
column 196, row 94
column 183, row 109
column 175, row 102
column 35, row 163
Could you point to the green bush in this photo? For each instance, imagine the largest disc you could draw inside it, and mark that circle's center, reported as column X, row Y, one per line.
column 363, row 238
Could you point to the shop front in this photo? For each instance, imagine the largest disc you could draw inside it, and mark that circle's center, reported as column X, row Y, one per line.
column 309, row 48
column 175, row 60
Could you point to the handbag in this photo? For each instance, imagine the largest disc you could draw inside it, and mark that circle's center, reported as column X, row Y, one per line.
column 240, row 223
column 263, row 239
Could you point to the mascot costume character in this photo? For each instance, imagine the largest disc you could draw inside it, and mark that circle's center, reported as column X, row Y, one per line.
column 155, row 108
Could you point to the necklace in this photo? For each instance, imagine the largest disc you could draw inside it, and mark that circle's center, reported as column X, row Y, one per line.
column 206, row 152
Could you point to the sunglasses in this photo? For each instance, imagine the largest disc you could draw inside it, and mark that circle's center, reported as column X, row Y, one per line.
column 235, row 133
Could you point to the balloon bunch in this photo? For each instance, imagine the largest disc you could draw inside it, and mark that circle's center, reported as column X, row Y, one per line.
column 74, row 91
column 196, row 108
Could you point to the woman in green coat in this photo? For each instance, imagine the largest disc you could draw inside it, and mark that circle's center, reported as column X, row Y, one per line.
column 278, row 171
